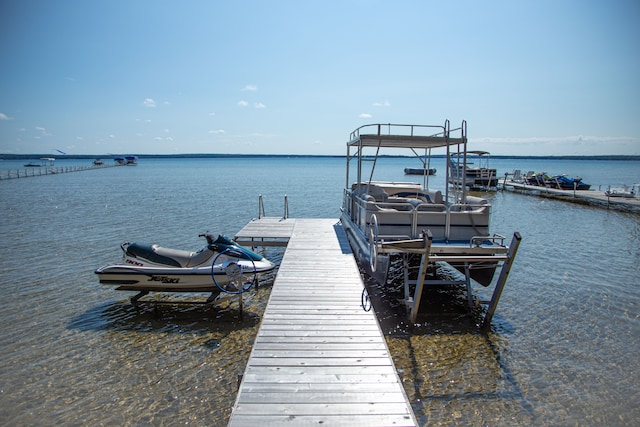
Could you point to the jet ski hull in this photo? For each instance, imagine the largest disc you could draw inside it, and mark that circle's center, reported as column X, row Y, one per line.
column 176, row 279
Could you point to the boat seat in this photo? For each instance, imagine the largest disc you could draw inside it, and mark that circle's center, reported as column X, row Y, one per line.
column 517, row 174
column 166, row 256
column 372, row 190
column 474, row 201
column 424, row 197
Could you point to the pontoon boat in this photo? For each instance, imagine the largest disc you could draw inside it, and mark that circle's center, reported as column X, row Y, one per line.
column 409, row 220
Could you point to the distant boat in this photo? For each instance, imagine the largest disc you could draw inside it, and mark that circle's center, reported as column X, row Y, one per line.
column 480, row 177
column 621, row 192
column 419, row 171
column 120, row 160
column 131, row 160
column 563, row 182
column 44, row 161
column 98, row 162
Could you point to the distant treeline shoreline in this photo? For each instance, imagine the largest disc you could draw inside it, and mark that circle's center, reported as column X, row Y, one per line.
column 217, row 156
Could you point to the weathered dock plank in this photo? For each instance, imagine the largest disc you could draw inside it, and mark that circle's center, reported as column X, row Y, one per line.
column 319, row 358
column 268, row 231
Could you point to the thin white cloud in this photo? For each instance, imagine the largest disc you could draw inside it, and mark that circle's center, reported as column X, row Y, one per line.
column 42, row 131
column 251, row 88
column 382, row 104
column 259, row 105
column 4, row 117
column 212, row 114
column 217, row 131
column 365, row 116
column 242, row 103
column 149, row 102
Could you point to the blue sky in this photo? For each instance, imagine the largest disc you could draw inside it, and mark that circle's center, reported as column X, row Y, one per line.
column 539, row 77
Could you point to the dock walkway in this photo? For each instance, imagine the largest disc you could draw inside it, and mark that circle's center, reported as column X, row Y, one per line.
column 319, row 358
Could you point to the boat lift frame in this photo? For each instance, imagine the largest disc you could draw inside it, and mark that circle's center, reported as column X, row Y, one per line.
column 430, row 254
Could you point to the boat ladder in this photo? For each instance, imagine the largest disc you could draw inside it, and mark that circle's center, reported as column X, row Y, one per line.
column 261, row 211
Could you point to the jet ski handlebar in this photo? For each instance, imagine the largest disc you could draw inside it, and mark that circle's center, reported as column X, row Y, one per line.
column 210, row 237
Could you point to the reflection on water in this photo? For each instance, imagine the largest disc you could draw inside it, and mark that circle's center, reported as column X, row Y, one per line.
column 161, row 364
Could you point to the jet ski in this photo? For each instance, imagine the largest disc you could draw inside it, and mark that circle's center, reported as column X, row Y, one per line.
column 222, row 265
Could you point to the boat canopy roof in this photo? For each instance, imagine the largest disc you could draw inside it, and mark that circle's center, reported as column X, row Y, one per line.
column 406, row 136
column 396, row 136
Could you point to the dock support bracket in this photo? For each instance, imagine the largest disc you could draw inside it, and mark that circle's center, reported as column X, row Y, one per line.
column 502, row 279
column 422, row 273
column 136, row 297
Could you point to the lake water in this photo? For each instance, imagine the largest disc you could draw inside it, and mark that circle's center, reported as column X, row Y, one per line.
column 563, row 348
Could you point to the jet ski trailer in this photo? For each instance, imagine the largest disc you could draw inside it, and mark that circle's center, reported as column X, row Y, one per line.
column 412, row 221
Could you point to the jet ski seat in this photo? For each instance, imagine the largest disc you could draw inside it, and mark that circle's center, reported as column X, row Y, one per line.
column 166, row 256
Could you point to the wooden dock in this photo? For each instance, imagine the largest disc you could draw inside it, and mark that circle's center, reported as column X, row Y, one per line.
column 591, row 197
column 319, row 358
column 267, row 231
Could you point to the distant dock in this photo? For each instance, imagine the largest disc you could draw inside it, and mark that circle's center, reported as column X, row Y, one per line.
column 590, row 197
column 33, row 171
column 319, row 357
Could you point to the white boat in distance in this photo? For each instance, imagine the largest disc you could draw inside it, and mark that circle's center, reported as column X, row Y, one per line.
column 408, row 219
column 475, row 176
column 222, row 265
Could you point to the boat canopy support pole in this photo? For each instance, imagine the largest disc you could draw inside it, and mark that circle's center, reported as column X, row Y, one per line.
column 413, row 304
column 502, row 279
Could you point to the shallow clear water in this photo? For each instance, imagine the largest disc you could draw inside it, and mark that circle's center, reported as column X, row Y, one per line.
column 562, row 350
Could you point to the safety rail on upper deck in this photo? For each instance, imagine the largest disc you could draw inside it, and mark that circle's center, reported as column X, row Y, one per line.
column 400, row 129
column 402, row 135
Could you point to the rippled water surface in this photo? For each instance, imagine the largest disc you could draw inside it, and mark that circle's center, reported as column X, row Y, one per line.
column 563, row 348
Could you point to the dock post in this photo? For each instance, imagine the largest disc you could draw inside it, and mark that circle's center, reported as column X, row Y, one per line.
column 502, row 279
column 467, row 280
column 424, row 264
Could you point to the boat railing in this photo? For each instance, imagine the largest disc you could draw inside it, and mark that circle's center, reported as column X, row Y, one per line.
column 399, row 129
column 400, row 220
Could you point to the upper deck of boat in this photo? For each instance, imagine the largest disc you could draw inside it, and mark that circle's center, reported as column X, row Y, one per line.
column 407, row 136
